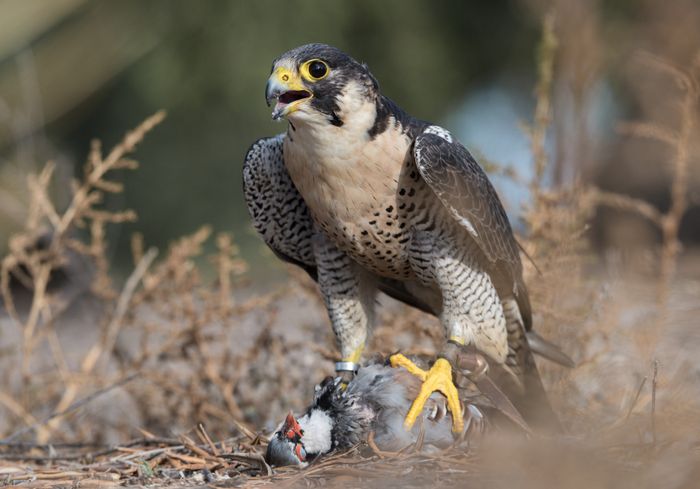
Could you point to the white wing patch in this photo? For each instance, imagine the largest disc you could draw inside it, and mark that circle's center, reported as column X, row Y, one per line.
column 467, row 224
column 443, row 133
column 439, row 132
column 317, row 426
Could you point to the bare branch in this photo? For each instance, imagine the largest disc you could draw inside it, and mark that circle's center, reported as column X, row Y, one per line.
column 630, row 204
column 649, row 130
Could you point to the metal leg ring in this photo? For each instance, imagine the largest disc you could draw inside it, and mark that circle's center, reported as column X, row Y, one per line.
column 347, row 367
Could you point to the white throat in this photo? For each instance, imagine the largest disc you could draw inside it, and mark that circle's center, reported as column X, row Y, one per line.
column 355, row 110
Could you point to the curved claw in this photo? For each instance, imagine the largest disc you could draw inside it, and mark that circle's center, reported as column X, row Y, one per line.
column 475, row 420
column 437, row 379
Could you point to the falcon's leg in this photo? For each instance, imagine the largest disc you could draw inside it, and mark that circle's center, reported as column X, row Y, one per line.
column 518, row 350
column 349, row 297
column 471, row 312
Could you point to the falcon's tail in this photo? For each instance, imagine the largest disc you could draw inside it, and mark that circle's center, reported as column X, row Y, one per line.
column 533, row 403
column 527, row 393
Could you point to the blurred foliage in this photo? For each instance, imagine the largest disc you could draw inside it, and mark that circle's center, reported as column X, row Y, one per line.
column 206, row 63
column 72, row 70
column 211, row 350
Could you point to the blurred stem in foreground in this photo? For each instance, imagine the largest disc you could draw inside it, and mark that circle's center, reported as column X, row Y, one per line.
column 543, row 109
column 679, row 186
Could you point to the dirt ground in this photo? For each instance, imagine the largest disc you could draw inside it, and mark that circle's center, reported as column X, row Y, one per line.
column 626, row 426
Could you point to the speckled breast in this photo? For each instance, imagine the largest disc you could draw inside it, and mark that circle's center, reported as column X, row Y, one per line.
column 364, row 196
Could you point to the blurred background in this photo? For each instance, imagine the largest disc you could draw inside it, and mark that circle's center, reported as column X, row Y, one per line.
column 73, row 70
column 616, row 137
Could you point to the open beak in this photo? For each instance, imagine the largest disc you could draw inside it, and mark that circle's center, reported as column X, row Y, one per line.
column 286, row 90
column 291, row 428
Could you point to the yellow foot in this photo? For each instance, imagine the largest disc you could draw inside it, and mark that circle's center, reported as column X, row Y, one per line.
column 437, row 379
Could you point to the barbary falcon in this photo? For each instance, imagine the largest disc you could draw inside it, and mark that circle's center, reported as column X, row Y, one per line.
column 365, row 197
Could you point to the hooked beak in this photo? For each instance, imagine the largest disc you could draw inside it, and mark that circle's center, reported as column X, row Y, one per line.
column 286, row 90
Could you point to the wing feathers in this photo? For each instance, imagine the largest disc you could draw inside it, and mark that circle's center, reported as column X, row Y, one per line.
column 465, row 191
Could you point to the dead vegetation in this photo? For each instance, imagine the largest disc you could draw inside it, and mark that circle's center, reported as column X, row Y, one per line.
column 192, row 361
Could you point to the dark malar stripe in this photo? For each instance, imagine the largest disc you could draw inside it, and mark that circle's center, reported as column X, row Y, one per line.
column 386, row 108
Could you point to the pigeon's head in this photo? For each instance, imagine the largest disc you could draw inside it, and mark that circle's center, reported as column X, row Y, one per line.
column 297, row 442
column 286, row 446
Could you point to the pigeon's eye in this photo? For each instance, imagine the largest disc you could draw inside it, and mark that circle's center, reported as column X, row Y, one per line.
column 315, row 70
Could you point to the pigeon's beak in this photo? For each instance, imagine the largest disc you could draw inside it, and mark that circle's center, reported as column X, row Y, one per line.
column 291, row 428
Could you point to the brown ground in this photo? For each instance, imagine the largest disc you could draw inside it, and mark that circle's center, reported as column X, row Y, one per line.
column 238, row 376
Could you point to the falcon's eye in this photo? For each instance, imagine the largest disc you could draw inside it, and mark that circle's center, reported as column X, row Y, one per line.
column 315, row 70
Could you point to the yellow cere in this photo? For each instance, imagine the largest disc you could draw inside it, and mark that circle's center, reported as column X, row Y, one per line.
column 288, row 79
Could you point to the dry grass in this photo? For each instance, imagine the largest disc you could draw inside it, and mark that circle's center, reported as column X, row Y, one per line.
column 176, row 363
column 679, row 141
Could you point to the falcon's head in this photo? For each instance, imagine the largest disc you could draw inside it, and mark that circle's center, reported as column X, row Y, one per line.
column 318, row 83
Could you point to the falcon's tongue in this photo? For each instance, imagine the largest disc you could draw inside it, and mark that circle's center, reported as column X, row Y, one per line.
column 287, row 98
column 293, row 96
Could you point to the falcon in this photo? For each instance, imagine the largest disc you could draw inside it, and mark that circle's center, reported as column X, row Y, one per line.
column 367, row 198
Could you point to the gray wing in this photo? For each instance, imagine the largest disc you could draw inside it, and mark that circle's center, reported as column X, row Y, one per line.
column 464, row 189
column 278, row 212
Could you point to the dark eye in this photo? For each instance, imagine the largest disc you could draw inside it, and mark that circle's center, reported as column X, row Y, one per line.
column 317, row 69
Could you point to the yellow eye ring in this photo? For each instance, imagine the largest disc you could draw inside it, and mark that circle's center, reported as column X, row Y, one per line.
column 315, row 70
